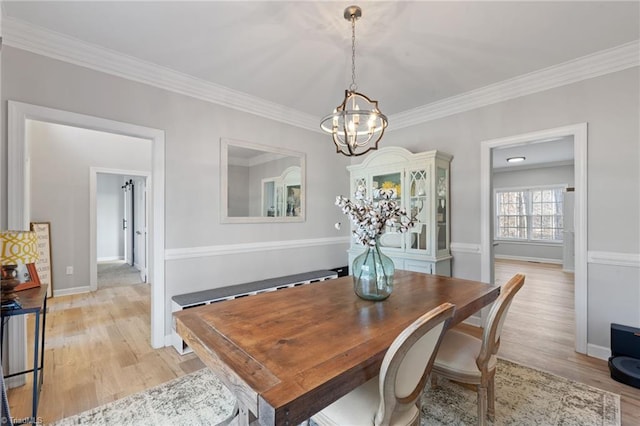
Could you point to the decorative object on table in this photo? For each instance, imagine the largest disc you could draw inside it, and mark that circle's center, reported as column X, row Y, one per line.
column 372, row 270
column 18, row 252
column 356, row 125
column 43, row 264
column 534, row 398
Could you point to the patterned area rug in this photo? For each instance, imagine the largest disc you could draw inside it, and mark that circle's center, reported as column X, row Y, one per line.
column 524, row 396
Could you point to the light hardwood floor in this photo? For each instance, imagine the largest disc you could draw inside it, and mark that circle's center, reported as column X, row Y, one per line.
column 98, row 350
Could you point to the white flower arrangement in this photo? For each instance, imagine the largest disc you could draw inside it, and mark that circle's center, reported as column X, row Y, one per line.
column 371, row 217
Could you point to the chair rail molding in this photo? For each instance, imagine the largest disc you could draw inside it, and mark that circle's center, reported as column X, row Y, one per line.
column 222, row 250
column 466, row 248
column 631, row 260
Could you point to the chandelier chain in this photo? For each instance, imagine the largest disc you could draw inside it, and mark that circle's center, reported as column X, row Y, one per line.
column 353, row 87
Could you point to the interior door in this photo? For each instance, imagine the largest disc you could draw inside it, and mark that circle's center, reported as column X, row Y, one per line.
column 141, row 229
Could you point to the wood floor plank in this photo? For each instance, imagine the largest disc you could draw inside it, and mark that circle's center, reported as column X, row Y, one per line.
column 98, row 348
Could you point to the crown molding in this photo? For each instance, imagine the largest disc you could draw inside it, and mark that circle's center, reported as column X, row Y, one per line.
column 25, row 36
column 594, row 65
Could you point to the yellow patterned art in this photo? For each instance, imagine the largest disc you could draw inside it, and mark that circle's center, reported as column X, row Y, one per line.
column 18, row 247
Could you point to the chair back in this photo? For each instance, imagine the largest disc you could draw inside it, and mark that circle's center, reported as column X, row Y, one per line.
column 408, row 361
column 493, row 329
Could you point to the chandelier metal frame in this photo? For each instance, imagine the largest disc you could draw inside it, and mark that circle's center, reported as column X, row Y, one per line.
column 356, row 125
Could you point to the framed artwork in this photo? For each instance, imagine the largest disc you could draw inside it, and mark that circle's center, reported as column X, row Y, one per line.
column 28, row 277
column 43, row 264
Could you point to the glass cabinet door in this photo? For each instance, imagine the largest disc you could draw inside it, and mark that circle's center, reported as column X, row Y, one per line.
column 442, row 196
column 418, row 208
column 390, row 237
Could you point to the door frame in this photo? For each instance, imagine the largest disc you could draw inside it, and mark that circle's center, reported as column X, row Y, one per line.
column 18, row 186
column 579, row 133
column 93, row 216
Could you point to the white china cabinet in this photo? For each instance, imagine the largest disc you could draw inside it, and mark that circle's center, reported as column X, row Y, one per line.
column 422, row 183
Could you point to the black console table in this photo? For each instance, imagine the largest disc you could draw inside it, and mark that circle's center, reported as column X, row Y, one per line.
column 32, row 301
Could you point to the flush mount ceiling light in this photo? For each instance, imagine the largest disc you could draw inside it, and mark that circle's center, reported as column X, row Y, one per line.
column 356, row 125
column 515, row 159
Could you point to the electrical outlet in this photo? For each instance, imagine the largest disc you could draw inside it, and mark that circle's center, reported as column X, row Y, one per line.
column 69, row 270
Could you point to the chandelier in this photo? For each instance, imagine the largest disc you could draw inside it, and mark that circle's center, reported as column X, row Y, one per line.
column 356, row 125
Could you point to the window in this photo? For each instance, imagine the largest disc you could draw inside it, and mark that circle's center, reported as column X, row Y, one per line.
column 533, row 214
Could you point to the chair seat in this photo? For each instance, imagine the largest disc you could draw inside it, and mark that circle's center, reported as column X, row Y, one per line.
column 458, row 353
column 358, row 408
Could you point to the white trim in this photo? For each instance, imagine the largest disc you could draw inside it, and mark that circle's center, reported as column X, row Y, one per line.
column 600, row 352
column 18, row 188
column 70, row 291
column 29, row 37
column 594, row 65
column 93, row 216
column 110, row 259
column 465, row 248
column 529, row 259
column 579, row 133
column 225, row 143
column 222, row 250
column 631, row 260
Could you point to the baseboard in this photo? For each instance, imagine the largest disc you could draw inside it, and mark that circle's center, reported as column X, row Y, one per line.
column 109, row 259
column 600, row 352
column 69, row 291
column 529, row 259
column 168, row 340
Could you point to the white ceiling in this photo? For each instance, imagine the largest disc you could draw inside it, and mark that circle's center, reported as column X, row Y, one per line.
column 542, row 153
column 409, row 53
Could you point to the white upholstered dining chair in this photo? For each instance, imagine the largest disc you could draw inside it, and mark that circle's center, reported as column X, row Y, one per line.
column 393, row 397
column 466, row 359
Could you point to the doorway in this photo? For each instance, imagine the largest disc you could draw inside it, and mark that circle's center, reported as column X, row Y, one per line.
column 18, row 211
column 121, row 226
column 579, row 134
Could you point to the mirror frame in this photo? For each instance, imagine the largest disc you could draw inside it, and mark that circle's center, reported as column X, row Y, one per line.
column 224, row 184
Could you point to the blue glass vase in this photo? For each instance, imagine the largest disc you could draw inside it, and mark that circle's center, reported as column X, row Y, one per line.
column 373, row 274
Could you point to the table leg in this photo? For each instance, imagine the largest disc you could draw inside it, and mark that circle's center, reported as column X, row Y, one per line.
column 36, row 358
column 44, row 328
column 241, row 416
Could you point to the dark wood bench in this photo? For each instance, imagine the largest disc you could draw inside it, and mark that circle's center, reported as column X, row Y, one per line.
column 199, row 298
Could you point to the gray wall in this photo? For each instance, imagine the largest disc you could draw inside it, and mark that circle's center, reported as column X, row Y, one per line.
column 109, row 215
column 60, row 160
column 193, row 129
column 540, row 176
column 609, row 104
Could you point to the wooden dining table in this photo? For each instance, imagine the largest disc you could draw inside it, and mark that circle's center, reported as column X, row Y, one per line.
column 287, row 354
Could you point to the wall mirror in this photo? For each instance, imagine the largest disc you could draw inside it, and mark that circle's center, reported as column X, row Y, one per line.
column 261, row 183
